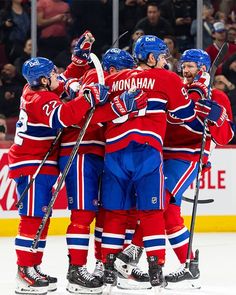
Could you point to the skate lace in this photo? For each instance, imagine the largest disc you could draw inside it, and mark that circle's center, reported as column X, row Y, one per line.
column 85, row 274
column 39, row 271
column 31, row 272
column 138, row 271
column 179, row 272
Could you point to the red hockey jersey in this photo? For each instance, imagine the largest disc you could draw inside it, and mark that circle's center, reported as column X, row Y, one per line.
column 41, row 115
column 93, row 141
column 166, row 93
column 184, row 141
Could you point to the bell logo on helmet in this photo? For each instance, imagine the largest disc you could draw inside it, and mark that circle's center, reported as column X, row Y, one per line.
column 115, row 50
column 34, row 63
column 150, row 39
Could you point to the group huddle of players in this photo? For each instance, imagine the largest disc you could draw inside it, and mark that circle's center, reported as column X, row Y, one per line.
column 139, row 154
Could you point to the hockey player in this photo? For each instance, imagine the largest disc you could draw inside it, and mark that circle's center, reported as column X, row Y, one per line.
column 41, row 115
column 182, row 154
column 133, row 159
column 82, row 181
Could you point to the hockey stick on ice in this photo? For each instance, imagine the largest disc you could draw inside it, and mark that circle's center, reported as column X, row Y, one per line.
column 205, row 201
column 100, row 74
column 215, row 64
column 39, row 168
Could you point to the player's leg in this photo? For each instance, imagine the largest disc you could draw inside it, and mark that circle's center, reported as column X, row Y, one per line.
column 82, row 185
column 149, row 184
column 127, row 261
column 99, row 221
column 178, row 176
column 116, row 187
column 30, row 277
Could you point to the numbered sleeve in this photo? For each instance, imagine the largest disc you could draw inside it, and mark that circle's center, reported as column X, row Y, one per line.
column 56, row 114
column 179, row 105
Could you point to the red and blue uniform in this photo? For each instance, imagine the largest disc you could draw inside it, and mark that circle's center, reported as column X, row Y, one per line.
column 133, row 158
column 181, row 162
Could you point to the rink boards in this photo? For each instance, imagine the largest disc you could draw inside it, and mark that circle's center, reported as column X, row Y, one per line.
column 217, row 184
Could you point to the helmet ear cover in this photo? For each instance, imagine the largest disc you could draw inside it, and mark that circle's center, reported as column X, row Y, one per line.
column 37, row 68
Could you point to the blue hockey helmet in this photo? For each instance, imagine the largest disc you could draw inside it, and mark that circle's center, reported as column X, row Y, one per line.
column 199, row 56
column 149, row 44
column 35, row 68
column 117, row 58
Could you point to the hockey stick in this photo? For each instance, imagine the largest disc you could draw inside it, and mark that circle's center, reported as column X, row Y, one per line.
column 189, row 200
column 212, row 72
column 122, row 35
column 39, row 168
column 70, row 160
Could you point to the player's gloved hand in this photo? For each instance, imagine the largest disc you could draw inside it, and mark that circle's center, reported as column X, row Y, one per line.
column 206, row 167
column 72, row 87
column 212, row 111
column 95, row 94
column 201, row 85
column 129, row 101
column 80, row 56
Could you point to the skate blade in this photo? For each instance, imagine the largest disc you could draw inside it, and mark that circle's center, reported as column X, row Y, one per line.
column 157, row 290
column 128, row 284
column 107, row 290
column 184, row 285
column 52, row 287
column 34, row 291
column 76, row 289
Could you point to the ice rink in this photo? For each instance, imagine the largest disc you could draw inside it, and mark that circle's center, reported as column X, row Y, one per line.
column 217, row 265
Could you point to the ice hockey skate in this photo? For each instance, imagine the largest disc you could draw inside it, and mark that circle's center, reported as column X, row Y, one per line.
column 30, row 282
column 98, row 272
column 52, row 281
column 129, row 275
column 110, row 274
column 155, row 273
column 82, row 282
column 189, row 278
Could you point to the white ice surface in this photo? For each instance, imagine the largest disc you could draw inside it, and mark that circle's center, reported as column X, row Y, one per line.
column 217, row 265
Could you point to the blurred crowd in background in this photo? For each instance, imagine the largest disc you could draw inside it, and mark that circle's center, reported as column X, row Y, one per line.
column 61, row 22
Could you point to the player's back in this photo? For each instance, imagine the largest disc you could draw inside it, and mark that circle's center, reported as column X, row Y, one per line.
column 164, row 91
column 93, row 141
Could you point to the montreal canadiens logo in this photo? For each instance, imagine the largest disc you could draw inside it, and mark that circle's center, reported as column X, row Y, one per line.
column 154, row 200
column 44, row 209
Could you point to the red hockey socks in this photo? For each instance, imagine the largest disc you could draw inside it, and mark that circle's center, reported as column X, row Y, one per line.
column 77, row 236
column 176, row 231
column 114, row 232
column 153, row 229
column 100, row 217
column 27, row 229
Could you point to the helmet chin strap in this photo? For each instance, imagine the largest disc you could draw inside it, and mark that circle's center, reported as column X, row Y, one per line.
column 151, row 67
column 49, row 84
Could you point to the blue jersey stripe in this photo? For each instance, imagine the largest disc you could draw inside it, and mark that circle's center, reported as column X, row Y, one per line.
column 77, row 241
